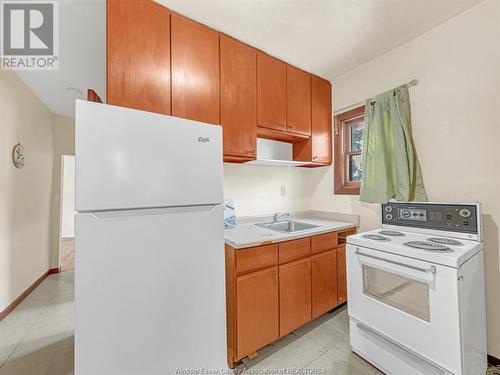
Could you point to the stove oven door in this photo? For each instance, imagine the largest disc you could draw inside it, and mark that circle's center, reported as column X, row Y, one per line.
column 410, row 303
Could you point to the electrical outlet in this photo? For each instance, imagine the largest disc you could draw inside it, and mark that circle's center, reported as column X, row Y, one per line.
column 283, row 191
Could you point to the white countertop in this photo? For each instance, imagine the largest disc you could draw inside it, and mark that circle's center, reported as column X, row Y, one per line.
column 247, row 234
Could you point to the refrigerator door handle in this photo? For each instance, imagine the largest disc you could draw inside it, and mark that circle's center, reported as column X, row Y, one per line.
column 103, row 215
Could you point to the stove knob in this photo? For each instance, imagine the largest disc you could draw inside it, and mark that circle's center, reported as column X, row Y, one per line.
column 464, row 212
column 406, row 214
column 388, row 217
column 388, row 208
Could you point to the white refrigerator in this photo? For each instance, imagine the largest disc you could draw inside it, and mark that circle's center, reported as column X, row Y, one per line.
column 149, row 273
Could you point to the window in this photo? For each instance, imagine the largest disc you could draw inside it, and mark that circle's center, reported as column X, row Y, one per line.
column 348, row 138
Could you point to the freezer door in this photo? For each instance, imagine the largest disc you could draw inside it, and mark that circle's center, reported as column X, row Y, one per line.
column 150, row 291
column 133, row 159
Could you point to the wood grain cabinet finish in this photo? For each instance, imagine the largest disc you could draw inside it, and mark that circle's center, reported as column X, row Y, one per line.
column 195, row 70
column 256, row 310
column 271, row 92
column 324, row 282
column 341, row 275
column 265, row 300
column 324, row 242
column 294, row 295
column 321, row 124
column 238, row 99
column 298, row 101
column 138, row 55
column 295, row 249
column 256, row 258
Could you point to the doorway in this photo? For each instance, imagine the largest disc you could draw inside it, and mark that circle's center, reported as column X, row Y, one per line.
column 67, row 226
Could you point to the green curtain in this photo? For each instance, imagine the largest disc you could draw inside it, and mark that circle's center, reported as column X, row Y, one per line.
column 390, row 166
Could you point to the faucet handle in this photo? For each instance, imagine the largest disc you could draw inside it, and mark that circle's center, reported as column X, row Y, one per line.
column 277, row 215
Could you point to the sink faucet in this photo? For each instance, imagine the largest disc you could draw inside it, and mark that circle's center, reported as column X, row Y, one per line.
column 279, row 215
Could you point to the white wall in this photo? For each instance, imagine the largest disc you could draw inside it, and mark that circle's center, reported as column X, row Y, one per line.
column 64, row 144
column 68, row 197
column 456, row 124
column 257, row 189
column 24, row 193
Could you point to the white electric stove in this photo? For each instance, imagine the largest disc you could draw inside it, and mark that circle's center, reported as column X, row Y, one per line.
column 416, row 290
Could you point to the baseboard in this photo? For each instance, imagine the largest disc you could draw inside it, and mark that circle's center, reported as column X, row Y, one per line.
column 493, row 360
column 54, row 270
column 26, row 293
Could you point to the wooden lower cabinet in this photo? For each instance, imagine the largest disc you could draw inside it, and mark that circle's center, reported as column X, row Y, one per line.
column 273, row 289
column 295, row 295
column 257, row 321
column 324, row 282
column 341, row 275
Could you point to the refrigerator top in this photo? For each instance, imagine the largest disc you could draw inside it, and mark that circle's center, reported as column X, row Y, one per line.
column 130, row 159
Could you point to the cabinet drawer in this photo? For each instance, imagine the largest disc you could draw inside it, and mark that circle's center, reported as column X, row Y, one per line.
column 256, row 258
column 323, row 242
column 293, row 250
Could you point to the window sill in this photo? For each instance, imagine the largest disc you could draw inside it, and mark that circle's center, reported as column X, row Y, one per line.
column 347, row 190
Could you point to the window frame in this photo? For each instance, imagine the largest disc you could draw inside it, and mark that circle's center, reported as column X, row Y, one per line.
column 341, row 136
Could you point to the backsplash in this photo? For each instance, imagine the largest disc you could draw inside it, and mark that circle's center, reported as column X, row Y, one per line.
column 257, row 190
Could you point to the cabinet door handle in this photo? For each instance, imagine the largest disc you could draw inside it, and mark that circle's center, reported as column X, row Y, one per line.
column 275, row 276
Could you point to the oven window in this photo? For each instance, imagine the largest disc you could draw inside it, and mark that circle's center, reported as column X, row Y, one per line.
column 401, row 292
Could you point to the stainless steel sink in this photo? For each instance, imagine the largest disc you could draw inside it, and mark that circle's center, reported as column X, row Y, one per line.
column 288, row 226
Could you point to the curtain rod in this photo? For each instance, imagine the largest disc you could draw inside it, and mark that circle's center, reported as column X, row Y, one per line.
column 412, row 83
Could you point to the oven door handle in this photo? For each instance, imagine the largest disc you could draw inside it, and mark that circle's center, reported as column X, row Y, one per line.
column 431, row 269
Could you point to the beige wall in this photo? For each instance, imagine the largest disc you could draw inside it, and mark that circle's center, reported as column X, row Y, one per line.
column 456, row 124
column 64, row 144
column 24, row 193
column 257, row 189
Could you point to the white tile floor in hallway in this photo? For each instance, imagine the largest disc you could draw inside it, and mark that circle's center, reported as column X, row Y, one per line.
column 37, row 339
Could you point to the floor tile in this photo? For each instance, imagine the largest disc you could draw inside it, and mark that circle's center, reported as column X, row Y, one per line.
column 37, row 338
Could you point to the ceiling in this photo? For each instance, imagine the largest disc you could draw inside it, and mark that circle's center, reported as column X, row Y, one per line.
column 325, row 37
column 82, row 50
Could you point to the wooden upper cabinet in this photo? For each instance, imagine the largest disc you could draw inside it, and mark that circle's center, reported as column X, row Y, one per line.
column 294, row 295
column 138, row 55
column 238, row 99
column 324, row 282
column 256, row 310
column 271, row 92
column 298, row 101
column 195, row 70
column 321, row 107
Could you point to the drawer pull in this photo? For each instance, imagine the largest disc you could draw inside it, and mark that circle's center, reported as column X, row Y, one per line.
column 431, row 269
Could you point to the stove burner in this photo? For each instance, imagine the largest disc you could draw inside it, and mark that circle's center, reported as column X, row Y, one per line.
column 429, row 246
column 393, row 233
column 445, row 241
column 375, row 237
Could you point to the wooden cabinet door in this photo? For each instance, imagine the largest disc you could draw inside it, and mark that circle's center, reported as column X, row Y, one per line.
column 324, row 282
column 138, row 55
column 256, row 310
column 298, row 101
column 195, row 70
column 321, row 108
column 271, row 92
column 341, row 275
column 238, row 99
column 295, row 295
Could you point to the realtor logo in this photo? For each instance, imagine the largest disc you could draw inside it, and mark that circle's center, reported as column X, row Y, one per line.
column 30, row 35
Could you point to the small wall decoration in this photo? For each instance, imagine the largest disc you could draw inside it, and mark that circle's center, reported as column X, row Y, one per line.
column 18, row 156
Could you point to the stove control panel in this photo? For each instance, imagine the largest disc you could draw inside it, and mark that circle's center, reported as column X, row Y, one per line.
column 447, row 217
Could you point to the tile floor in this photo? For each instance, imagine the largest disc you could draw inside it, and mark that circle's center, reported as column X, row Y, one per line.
column 37, row 339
